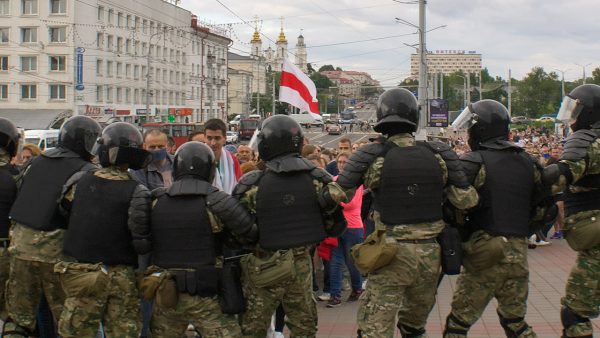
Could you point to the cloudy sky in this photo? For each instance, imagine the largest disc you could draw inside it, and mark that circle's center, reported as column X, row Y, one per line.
column 515, row 34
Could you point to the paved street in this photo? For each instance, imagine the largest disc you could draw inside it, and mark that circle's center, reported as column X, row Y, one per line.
column 549, row 266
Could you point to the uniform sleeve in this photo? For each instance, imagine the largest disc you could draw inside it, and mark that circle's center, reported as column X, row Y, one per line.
column 68, row 192
column 139, row 220
column 462, row 197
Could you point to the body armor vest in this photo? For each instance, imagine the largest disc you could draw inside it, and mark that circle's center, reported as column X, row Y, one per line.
column 581, row 201
column 411, row 187
column 98, row 224
column 8, row 193
column 506, row 196
column 288, row 214
column 37, row 203
column 181, row 233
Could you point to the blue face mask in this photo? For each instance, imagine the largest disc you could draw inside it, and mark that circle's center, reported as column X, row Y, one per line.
column 159, row 155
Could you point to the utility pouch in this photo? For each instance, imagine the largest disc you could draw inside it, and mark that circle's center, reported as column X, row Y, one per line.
column 81, row 279
column 483, row 251
column 203, row 281
column 274, row 269
column 167, row 295
column 451, row 245
column 231, row 295
column 374, row 253
column 584, row 233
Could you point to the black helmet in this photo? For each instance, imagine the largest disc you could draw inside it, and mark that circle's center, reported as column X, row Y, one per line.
column 581, row 107
column 486, row 120
column 279, row 135
column 121, row 143
column 194, row 158
column 79, row 134
column 397, row 112
column 9, row 136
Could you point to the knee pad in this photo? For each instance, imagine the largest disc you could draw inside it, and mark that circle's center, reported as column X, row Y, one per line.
column 410, row 332
column 570, row 318
column 510, row 333
column 464, row 327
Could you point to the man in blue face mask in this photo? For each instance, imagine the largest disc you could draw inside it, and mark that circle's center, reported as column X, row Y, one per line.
column 158, row 173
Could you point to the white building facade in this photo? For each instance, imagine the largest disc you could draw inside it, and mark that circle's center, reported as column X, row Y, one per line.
column 107, row 58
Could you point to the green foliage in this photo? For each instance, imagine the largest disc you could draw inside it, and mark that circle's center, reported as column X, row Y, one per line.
column 326, row 68
column 310, row 68
column 537, row 94
column 321, row 81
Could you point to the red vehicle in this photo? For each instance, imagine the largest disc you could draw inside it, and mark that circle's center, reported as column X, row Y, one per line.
column 247, row 128
column 179, row 131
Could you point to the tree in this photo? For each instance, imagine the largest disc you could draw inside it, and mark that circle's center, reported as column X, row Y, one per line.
column 596, row 76
column 310, row 68
column 537, row 94
column 326, row 68
column 339, row 69
column 321, row 81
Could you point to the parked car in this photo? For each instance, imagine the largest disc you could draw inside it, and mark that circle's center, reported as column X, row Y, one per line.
column 334, row 129
column 232, row 137
column 547, row 118
column 519, row 119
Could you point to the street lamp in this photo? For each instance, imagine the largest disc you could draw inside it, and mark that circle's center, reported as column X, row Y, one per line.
column 563, row 71
column 583, row 67
column 465, row 103
column 148, row 62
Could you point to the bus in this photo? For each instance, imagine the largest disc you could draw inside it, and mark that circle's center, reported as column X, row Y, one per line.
column 247, row 128
column 179, row 131
column 347, row 117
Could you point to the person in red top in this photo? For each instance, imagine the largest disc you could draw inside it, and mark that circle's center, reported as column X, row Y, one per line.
column 353, row 235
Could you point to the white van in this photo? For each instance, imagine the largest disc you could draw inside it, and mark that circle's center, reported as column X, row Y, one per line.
column 45, row 139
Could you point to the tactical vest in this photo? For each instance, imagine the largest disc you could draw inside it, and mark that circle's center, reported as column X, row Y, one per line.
column 288, row 214
column 411, row 187
column 98, row 224
column 37, row 203
column 506, row 196
column 8, row 193
column 581, row 201
column 181, row 233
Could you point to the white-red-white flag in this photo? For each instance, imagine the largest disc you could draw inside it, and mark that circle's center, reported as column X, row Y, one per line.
column 297, row 89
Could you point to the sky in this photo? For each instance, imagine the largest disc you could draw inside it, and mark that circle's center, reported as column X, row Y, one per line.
column 510, row 34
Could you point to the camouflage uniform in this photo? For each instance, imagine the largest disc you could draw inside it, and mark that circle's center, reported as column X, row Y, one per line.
column 583, row 289
column 116, row 304
column 4, row 258
column 294, row 294
column 407, row 286
column 204, row 313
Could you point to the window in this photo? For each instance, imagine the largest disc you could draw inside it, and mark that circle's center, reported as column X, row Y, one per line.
column 99, row 67
column 177, row 57
column 28, row 34
column 28, row 92
column 3, row 63
column 111, row 15
column 29, row 7
column 28, row 63
column 144, row 74
column 119, row 94
column 58, row 92
column 119, row 69
column 99, row 40
column 58, row 6
column 144, row 26
column 109, row 93
column 109, row 68
column 99, row 93
column 127, row 95
column 4, row 7
column 120, row 20
column 136, row 48
column 119, row 44
column 4, row 31
column 128, row 71
column 183, row 58
column 100, row 13
column 136, row 23
column 136, row 96
column 3, row 92
column 57, row 63
column 136, row 72
column 128, row 21
column 157, row 97
column 58, row 34
column 109, row 42
column 128, row 46
column 165, row 51
column 157, row 76
column 144, row 46
column 152, row 27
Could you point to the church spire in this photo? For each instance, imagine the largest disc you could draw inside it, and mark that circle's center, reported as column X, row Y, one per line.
column 281, row 38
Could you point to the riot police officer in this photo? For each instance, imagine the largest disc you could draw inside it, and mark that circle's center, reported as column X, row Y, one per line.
column 509, row 184
column 9, row 141
column 108, row 227
column 290, row 219
column 37, row 234
column 409, row 181
column 190, row 222
column 578, row 175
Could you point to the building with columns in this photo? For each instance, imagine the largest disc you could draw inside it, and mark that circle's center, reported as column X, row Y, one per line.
column 273, row 58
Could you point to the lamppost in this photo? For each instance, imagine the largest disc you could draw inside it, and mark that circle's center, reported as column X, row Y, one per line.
column 562, row 92
column 465, row 103
column 583, row 68
column 148, row 63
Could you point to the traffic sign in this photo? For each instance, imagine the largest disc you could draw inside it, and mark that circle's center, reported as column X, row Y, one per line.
column 171, row 118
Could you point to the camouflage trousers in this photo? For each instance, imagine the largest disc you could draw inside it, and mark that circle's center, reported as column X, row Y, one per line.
column 294, row 294
column 4, row 271
column 406, row 288
column 202, row 312
column 27, row 281
column 507, row 281
column 583, row 291
column 116, row 305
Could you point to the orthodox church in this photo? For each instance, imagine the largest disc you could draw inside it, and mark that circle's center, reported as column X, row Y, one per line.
column 274, row 57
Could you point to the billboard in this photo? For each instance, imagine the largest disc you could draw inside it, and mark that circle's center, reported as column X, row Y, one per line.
column 438, row 113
